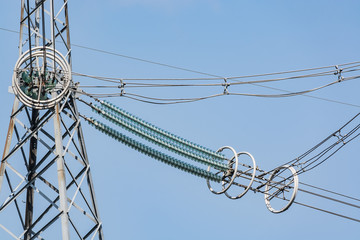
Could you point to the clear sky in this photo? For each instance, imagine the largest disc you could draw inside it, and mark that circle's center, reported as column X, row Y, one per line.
column 140, row 198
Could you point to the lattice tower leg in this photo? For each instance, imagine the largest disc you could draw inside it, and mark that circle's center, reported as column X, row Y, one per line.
column 46, row 188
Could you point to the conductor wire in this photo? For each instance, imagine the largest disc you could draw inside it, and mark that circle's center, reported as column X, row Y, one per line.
column 326, row 211
column 307, row 205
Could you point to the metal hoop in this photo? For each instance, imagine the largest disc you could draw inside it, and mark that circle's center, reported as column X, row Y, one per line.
column 62, row 84
column 296, row 186
column 251, row 180
column 233, row 175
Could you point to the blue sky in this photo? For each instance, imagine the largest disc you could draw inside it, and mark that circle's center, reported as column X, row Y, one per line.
column 140, row 198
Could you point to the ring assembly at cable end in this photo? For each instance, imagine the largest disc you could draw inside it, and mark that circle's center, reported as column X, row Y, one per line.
column 41, row 78
column 279, row 186
column 236, row 173
column 230, row 173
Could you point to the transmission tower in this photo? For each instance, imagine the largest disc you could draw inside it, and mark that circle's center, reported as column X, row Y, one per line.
column 46, row 188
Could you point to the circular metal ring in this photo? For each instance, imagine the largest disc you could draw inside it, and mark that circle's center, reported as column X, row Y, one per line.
column 251, row 180
column 230, row 164
column 42, row 88
column 295, row 180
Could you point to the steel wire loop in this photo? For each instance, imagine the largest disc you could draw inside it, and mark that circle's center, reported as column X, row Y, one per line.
column 41, row 77
column 245, row 175
column 231, row 171
column 277, row 189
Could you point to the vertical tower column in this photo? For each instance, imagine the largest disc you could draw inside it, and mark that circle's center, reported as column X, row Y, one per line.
column 61, row 176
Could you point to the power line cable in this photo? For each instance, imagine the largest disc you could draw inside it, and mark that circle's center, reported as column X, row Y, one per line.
column 185, row 100
column 275, row 185
column 165, row 101
column 9, row 30
column 326, row 211
column 140, row 84
column 212, row 75
column 144, row 60
column 324, row 73
column 325, row 190
column 190, row 70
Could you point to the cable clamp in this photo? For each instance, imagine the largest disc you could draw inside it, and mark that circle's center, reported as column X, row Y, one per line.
column 122, row 87
column 88, row 119
column 340, row 137
column 338, row 72
column 226, row 85
column 302, row 168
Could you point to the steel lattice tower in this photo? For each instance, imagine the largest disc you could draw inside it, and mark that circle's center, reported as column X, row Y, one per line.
column 46, row 189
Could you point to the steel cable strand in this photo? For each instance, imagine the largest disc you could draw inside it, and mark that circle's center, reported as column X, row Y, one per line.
column 274, row 184
column 168, row 101
column 318, row 157
column 190, row 100
column 296, row 160
column 315, row 74
column 286, row 94
column 158, row 130
column 329, row 191
column 321, row 74
column 329, row 198
column 295, row 71
column 278, row 185
column 152, row 152
column 159, row 142
column 331, row 154
column 312, row 207
column 318, row 195
column 351, row 132
column 324, row 151
column 142, row 84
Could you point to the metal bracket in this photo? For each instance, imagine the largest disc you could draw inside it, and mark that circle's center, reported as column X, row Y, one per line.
column 338, row 73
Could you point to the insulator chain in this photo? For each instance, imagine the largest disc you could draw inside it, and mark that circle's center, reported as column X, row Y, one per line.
column 151, row 152
column 235, row 173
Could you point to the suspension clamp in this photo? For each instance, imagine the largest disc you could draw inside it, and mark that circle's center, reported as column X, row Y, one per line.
column 122, row 87
column 226, row 85
column 338, row 72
